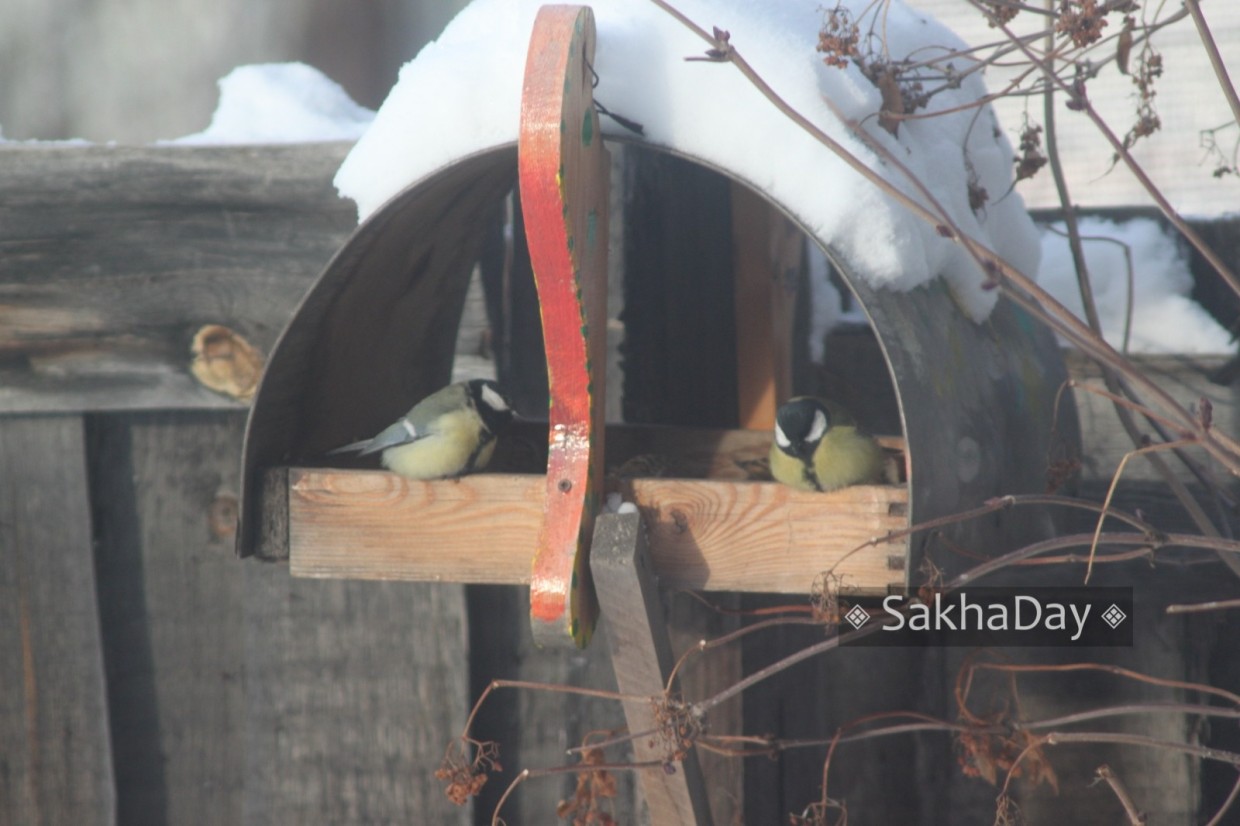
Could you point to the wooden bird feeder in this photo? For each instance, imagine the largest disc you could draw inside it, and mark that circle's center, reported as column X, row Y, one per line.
column 377, row 332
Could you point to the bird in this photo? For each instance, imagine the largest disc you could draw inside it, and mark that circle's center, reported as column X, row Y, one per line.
column 818, row 446
column 450, row 433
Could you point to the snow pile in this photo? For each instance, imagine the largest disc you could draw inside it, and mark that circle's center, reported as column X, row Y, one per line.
column 281, row 103
column 462, row 94
column 1164, row 318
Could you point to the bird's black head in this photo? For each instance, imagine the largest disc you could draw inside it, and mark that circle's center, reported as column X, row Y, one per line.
column 800, row 424
column 491, row 404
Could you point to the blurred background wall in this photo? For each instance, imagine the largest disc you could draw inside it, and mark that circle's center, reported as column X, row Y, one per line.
column 135, row 71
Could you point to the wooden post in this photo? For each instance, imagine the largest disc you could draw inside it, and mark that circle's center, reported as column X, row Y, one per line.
column 57, row 748
column 766, row 255
column 641, row 653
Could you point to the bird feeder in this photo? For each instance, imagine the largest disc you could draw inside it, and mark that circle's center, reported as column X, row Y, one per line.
column 376, row 333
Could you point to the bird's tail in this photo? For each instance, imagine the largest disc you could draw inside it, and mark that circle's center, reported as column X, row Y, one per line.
column 352, row 447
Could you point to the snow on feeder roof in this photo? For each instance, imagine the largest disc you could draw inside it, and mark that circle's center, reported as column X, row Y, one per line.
column 462, row 94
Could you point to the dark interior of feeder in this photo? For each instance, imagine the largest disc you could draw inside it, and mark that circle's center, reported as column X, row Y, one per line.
column 672, row 332
column 438, row 287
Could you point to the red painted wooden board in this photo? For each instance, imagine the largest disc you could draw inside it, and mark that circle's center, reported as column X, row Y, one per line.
column 563, row 172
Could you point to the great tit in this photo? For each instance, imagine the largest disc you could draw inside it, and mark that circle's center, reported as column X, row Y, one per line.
column 819, row 447
column 449, row 433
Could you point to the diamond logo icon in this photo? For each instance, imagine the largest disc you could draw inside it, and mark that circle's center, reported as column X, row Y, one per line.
column 1113, row 616
column 857, row 616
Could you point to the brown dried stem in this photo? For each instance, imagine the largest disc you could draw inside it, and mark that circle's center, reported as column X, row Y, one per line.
column 1107, row 774
column 1216, row 60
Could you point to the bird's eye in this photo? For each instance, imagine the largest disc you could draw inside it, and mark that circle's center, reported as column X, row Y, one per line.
column 492, row 399
column 819, row 428
column 780, row 438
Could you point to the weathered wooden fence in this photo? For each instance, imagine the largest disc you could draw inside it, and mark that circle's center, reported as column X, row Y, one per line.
column 148, row 676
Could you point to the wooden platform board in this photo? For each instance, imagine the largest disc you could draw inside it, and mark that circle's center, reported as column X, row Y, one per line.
column 704, row 534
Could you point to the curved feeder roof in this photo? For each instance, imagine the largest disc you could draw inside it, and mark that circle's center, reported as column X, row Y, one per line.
column 976, row 386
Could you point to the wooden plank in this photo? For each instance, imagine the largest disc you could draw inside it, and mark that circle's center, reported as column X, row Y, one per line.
column 56, row 759
column 1187, row 378
column 239, row 694
column 766, row 256
column 534, row 727
column 680, row 326
column 171, row 603
column 718, row 536
column 112, row 257
column 353, row 691
column 641, row 654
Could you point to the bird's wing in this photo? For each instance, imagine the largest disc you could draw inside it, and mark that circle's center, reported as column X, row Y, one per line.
column 399, row 433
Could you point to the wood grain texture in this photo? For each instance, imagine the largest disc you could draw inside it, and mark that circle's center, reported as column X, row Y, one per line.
column 720, row 536
column 173, row 615
column 112, row 257
column 353, row 690
column 641, row 654
column 240, row 695
column 56, row 756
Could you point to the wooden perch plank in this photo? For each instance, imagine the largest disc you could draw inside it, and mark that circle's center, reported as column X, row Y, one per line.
column 711, row 535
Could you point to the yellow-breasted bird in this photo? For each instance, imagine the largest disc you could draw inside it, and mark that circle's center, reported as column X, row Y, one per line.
column 450, row 433
column 818, row 446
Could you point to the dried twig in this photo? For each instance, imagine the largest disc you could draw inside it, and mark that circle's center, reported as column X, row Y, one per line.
column 1107, row 774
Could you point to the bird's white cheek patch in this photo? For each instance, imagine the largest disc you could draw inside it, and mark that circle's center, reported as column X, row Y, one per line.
column 780, row 438
column 819, row 428
column 492, row 399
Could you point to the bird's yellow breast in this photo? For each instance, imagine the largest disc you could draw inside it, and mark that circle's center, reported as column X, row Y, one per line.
column 442, row 454
column 844, row 457
column 847, row 457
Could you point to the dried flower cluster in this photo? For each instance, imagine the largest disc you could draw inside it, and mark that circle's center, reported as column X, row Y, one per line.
column 978, row 196
column 838, row 38
column 1030, row 159
column 992, row 756
column 1000, row 12
column 678, row 728
column 993, row 747
column 594, row 789
column 824, row 599
column 819, row 814
column 1149, row 69
column 466, row 777
column 1223, row 163
column 1081, row 20
column 899, row 85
